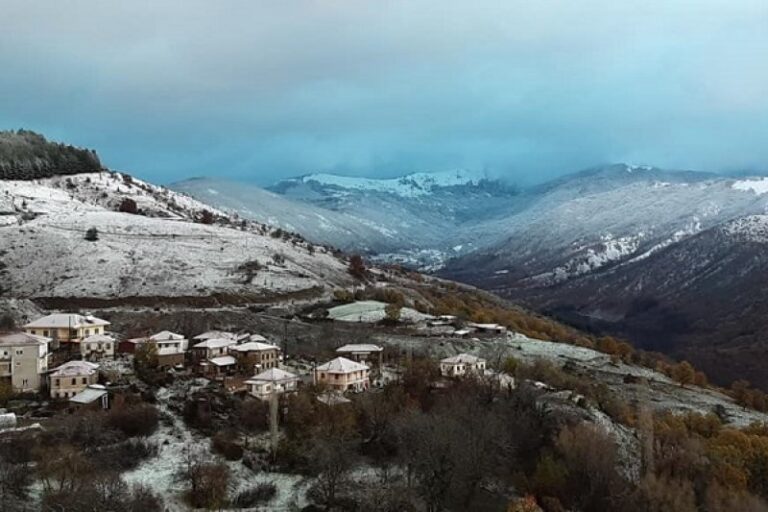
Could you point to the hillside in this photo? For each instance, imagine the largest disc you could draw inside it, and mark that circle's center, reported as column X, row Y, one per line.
column 26, row 155
column 172, row 247
column 419, row 219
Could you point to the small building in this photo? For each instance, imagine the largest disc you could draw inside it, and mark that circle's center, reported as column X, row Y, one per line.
column 461, row 365
column 171, row 348
column 129, row 346
column 342, row 374
column 72, row 377
column 274, row 380
column 212, row 347
column 255, row 355
column 66, row 327
column 219, row 366
column 333, row 398
column 97, row 346
column 94, row 396
column 362, row 353
column 488, row 328
column 23, row 360
column 211, row 335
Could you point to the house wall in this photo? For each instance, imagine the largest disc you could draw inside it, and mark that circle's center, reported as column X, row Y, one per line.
column 64, row 334
column 25, row 365
column 357, row 380
column 266, row 358
column 96, row 350
column 69, row 386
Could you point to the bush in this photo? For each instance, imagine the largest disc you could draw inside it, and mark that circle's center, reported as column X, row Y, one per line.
column 92, row 234
column 222, row 443
column 128, row 205
column 255, row 496
column 133, row 421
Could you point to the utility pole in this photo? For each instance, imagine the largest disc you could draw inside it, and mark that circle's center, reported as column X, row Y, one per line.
column 273, row 434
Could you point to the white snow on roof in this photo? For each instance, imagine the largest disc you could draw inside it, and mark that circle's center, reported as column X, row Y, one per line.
column 166, row 336
column 341, row 365
column 65, row 320
column 99, row 338
column 90, row 394
column 254, row 346
column 463, row 358
column 209, row 335
column 75, row 368
column 331, row 398
column 215, row 343
column 21, row 338
column 361, row 347
column 272, row 375
column 223, row 361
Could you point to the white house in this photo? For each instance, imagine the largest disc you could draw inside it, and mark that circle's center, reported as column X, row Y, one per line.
column 342, row 374
column 256, row 355
column 171, row 348
column 97, row 346
column 23, row 360
column 462, row 364
column 212, row 347
column 66, row 327
column 271, row 381
column 72, row 377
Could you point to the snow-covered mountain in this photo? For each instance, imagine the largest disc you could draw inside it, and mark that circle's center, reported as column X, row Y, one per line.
column 415, row 219
column 173, row 247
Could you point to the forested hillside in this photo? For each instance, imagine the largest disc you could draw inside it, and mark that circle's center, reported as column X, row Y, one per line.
column 26, row 155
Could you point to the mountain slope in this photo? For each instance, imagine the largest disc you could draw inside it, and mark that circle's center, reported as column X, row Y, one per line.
column 166, row 252
column 412, row 219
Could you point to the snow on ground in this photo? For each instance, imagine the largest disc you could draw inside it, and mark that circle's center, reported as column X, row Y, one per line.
column 652, row 388
column 371, row 311
column 758, row 185
column 412, row 185
column 175, row 439
column 165, row 254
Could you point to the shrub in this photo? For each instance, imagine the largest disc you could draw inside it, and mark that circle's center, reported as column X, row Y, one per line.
column 223, row 444
column 133, row 421
column 357, row 267
column 92, row 234
column 255, row 496
column 128, row 205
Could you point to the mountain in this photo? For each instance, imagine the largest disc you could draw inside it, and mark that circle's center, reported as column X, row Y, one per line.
column 146, row 245
column 414, row 219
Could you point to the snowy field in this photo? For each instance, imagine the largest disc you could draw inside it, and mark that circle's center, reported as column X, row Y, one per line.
column 371, row 311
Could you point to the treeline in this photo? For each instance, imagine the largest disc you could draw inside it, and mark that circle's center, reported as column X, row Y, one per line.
column 26, row 155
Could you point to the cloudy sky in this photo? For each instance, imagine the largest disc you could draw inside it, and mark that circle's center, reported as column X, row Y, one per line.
column 261, row 90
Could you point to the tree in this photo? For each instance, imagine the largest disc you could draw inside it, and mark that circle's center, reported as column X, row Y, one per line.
column 92, row 234
column 145, row 356
column 206, row 217
column 392, row 313
column 684, row 373
column 128, row 205
column 357, row 267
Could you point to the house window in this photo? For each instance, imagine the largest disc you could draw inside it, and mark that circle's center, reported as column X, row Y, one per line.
column 74, row 381
column 45, row 333
column 58, row 382
column 85, row 380
column 24, row 382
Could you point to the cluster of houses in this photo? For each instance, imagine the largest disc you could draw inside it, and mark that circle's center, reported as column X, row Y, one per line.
column 25, row 357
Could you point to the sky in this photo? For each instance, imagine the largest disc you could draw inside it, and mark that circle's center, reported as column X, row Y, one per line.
column 264, row 90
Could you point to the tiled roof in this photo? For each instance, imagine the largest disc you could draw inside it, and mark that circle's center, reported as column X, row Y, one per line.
column 75, row 368
column 341, row 365
column 64, row 321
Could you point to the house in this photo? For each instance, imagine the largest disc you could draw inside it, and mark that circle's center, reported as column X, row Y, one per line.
column 274, row 380
column 462, row 364
column 171, row 348
column 256, row 355
column 129, row 346
column 94, row 396
column 210, row 335
column 218, row 366
column 488, row 328
column 66, row 327
column 97, row 346
column 362, row 353
column 211, row 347
column 23, row 360
column 72, row 377
column 342, row 374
